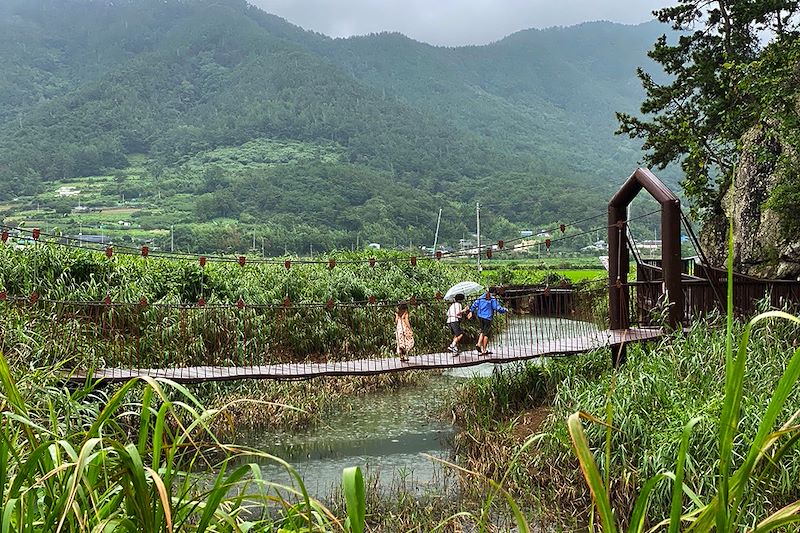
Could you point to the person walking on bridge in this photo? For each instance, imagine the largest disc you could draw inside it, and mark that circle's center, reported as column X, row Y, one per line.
column 455, row 313
column 485, row 307
column 403, row 334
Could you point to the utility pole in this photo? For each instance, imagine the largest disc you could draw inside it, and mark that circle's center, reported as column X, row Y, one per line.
column 262, row 247
column 254, row 239
column 478, row 225
column 436, row 236
column 172, row 238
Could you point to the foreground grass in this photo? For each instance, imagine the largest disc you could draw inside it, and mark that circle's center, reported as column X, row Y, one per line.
column 653, row 397
column 144, row 459
column 83, row 461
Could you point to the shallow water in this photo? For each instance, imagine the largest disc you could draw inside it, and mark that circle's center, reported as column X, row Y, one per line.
column 385, row 433
column 388, row 433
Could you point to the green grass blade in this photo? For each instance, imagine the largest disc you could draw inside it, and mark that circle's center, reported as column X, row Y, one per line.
column 355, row 498
column 642, row 504
column 218, row 493
column 780, row 519
column 591, row 473
column 144, row 419
column 727, row 426
column 110, row 408
column 677, row 486
column 158, row 434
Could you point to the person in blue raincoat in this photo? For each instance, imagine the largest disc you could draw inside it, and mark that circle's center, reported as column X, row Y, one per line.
column 485, row 307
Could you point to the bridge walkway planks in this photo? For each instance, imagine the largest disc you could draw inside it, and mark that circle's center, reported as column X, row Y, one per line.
column 366, row 367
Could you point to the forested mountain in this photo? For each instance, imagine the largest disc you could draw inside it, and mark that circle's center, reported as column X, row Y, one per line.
column 212, row 110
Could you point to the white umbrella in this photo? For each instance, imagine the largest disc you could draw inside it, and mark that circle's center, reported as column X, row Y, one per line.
column 465, row 287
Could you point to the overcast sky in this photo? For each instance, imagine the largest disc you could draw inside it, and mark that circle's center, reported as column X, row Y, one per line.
column 453, row 22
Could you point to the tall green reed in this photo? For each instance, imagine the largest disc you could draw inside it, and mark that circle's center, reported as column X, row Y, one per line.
column 726, row 511
column 78, row 461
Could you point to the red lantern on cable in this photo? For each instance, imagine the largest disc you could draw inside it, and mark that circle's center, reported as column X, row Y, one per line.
column 109, row 252
column 5, row 236
column 202, row 261
column 563, row 228
column 3, row 296
column 240, row 303
column 413, row 260
column 36, row 233
column 501, row 244
column 372, row 261
column 107, row 300
column 142, row 302
column 371, row 299
column 331, row 264
column 287, row 264
column 201, row 302
column 329, row 304
column 242, row 260
column 145, row 251
column 287, row 302
column 488, row 253
column 34, row 297
column 547, row 291
column 547, row 243
column 438, row 254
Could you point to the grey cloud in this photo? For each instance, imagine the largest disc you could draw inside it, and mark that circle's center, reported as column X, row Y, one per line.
column 453, row 22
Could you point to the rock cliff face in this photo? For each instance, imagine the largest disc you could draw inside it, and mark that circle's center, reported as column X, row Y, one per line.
column 762, row 246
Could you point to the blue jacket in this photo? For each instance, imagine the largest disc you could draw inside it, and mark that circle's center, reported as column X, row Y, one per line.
column 486, row 308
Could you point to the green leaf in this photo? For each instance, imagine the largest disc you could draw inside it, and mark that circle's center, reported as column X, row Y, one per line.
column 355, row 498
column 591, row 473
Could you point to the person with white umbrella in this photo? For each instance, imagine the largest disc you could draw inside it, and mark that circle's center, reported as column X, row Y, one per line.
column 455, row 313
column 457, row 310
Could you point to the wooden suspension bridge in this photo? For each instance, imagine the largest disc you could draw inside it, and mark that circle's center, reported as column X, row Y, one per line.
column 373, row 366
column 201, row 342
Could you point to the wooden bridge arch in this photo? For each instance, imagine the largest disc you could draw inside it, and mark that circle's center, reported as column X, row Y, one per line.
column 619, row 256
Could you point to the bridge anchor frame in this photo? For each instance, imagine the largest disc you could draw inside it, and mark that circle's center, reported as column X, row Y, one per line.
column 619, row 255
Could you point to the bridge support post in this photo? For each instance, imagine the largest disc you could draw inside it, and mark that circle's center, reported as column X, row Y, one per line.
column 619, row 257
column 671, row 263
column 618, row 269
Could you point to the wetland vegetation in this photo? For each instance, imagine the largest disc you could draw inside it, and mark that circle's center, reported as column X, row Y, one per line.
column 248, row 134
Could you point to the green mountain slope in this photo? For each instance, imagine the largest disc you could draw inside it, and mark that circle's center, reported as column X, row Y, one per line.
column 149, row 91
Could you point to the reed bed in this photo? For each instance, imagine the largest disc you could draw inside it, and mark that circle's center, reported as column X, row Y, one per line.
column 652, row 398
column 83, row 461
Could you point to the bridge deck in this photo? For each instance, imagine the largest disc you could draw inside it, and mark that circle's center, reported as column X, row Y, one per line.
column 364, row 367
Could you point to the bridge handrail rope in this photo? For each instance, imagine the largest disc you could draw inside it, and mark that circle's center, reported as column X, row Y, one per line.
column 278, row 340
column 574, row 235
column 587, row 286
column 110, row 254
column 192, row 344
column 75, row 242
